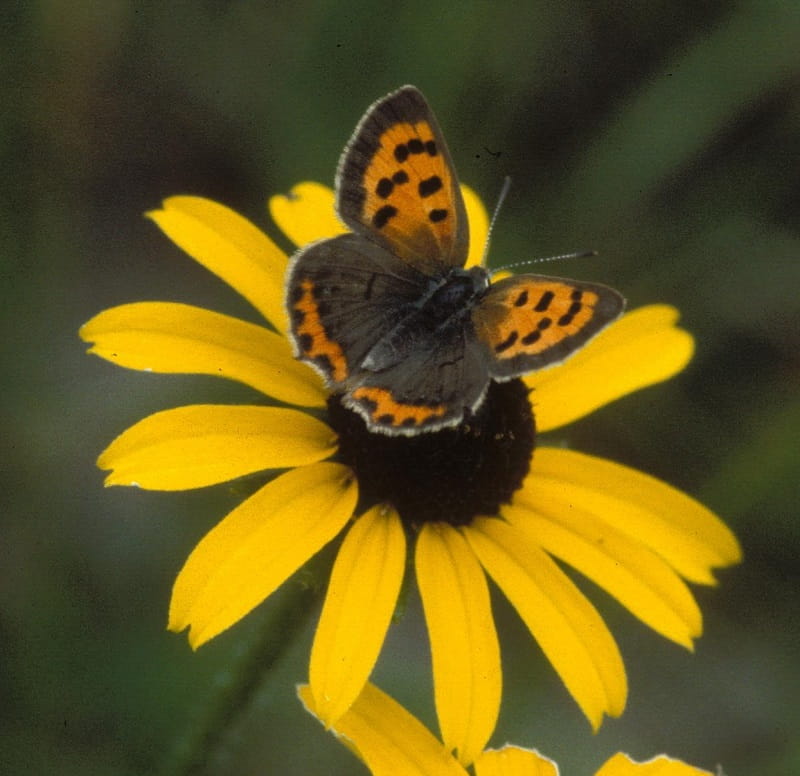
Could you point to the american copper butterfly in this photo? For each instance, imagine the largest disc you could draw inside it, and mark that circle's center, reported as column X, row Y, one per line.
column 389, row 315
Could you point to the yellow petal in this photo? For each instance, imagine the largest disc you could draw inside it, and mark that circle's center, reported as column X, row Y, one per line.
column 622, row 765
column 389, row 740
column 306, row 214
column 638, row 578
column 359, row 604
column 478, row 226
column 189, row 447
column 181, row 339
column 232, row 248
column 642, row 348
column 259, row 545
column 689, row 537
column 514, row 761
column 466, row 656
column 568, row 628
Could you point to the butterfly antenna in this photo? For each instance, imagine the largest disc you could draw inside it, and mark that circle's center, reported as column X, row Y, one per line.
column 577, row 255
column 500, row 200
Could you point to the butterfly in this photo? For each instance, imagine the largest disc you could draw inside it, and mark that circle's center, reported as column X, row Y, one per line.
column 388, row 313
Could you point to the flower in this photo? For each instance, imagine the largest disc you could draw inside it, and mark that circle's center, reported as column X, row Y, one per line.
column 392, row 742
column 634, row 536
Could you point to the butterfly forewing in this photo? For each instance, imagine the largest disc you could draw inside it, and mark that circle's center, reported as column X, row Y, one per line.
column 396, row 184
column 343, row 295
column 533, row 321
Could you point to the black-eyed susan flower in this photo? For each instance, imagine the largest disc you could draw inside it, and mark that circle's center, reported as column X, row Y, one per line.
column 474, row 500
column 390, row 741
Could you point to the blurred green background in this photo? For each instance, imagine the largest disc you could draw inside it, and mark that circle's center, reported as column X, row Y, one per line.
column 665, row 135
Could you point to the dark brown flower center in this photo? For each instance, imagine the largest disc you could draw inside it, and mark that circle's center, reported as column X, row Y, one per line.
column 451, row 475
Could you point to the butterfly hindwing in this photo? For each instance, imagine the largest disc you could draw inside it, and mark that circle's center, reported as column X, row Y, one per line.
column 397, row 185
column 432, row 388
column 532, row 321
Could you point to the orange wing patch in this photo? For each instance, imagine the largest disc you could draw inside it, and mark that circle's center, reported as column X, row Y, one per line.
column 533, row 316
column 310, row 335
column 384, row 410
column 410, row 192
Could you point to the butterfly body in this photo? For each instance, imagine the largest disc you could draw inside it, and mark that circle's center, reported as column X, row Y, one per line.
column 441, row 314
column 389, row 315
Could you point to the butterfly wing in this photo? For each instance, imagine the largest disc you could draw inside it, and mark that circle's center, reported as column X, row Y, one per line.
column 431, row 389
column 529, row 322
column 343, row 295
column 396, row 184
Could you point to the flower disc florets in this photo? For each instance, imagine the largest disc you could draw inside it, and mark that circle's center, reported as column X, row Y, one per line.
column 451, row 475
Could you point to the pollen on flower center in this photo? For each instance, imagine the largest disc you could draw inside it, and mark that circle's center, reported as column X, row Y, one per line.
column 451, row 475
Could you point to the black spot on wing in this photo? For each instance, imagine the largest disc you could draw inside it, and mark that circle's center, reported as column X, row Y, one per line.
column 383, row 215
column 567, row 318
column 544, row 301
column 532, row 337
column 384, row 188
column 430, row 186
column 507, row 342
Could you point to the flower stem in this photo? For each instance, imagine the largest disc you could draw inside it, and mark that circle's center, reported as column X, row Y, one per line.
column 205, row 739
